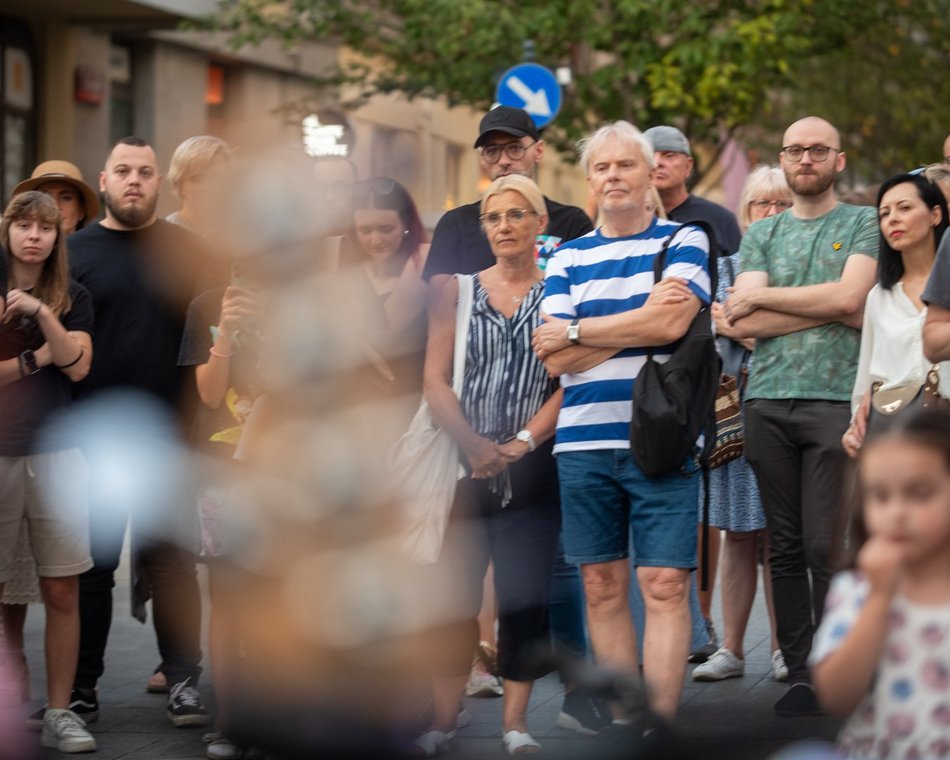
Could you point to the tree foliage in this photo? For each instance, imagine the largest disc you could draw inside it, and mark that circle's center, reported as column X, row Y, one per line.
column 708, row 67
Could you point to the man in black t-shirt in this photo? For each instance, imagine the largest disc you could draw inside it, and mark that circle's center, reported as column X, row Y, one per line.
column 508, row 143
column 141, row 273
column 674, row 163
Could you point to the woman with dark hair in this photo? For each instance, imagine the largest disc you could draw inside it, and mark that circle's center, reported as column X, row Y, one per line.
column 880, row 657
column 913, row 219
column 45, row 346
column 78, row 204
column 391, row 247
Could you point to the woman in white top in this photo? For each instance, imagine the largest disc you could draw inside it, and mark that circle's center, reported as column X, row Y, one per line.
column 913, row 218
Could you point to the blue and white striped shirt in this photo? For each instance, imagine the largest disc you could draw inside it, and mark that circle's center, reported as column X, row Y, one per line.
column 595, row 276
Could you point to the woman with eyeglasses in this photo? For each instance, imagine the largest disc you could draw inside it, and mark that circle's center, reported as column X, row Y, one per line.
column 45, row 346
column 507, row 509
column 913, row 219
column 391, row 248
column 734, row 503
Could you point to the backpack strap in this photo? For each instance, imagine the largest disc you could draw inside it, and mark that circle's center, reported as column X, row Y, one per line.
column 659, row 262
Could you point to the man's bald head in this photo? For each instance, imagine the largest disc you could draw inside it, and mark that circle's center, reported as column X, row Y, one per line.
column 946, row 149
column 811, row 130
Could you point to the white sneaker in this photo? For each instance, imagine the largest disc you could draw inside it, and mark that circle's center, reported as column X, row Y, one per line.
column 482, row 684
column 779, row 668
column 432, row 743
column 66, row 731
column 722, row 664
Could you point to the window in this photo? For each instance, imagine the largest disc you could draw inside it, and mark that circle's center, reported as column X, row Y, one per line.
column 17, row 104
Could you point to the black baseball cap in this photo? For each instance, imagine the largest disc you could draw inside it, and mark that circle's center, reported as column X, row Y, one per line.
column 511, row 121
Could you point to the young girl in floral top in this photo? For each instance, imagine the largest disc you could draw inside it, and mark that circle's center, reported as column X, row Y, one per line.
column 882, row 653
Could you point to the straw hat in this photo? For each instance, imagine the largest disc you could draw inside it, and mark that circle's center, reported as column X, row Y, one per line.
column 62, row 171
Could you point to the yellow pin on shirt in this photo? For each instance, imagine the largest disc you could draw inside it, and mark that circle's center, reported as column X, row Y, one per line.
column 836, row 246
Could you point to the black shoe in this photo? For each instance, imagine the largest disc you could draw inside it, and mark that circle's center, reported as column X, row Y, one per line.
column 83, row 702
column 799, row 700
column 583, row 713
column 708, row 649
column 184, row 705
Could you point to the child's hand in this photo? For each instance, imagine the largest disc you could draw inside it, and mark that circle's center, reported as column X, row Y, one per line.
column 882, row 562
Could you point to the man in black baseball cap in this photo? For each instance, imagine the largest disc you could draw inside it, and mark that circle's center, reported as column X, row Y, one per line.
column 509, row 121
column 508, row 143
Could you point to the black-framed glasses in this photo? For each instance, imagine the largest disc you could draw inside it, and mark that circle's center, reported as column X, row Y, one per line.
column 818, row 153
column 764, row 205
column 514, row 150
column 513, row 215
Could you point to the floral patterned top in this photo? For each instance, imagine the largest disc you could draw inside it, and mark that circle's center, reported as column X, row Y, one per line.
column 907, row 712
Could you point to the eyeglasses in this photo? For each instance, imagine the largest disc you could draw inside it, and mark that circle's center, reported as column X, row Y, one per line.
column 513, row 215
column 818, row 153
column 514, row 150
column 764, row 205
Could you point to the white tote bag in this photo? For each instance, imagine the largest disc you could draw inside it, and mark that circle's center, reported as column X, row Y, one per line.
column 424, row 462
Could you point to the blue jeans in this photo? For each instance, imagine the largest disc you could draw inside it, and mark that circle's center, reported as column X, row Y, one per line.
column 567, row 608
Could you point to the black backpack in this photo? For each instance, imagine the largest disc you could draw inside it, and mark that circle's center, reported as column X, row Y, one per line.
column 674, row 402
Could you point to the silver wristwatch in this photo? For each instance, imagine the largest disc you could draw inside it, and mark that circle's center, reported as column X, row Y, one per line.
column 525, row 437
column 574, row 331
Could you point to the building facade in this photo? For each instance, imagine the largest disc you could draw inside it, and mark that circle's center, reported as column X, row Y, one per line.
column 79, row 74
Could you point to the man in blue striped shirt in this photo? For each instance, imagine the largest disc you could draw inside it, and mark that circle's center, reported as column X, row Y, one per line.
column 602, row 314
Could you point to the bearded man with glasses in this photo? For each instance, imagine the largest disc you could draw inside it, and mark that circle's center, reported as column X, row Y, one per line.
column 804, row 277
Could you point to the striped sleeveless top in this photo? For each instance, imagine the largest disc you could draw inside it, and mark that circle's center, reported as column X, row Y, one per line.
column 505, row 383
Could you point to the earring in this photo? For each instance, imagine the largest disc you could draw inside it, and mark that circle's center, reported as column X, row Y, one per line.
column 405, row 233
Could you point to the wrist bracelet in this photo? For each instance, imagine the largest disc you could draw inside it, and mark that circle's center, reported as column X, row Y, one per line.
column 219, row 354
column 33, row 315
column 82, row 350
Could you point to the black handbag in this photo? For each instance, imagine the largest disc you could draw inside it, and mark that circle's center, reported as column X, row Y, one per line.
column 674, row 402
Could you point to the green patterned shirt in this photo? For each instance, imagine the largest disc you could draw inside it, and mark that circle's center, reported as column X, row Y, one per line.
column 818, row 363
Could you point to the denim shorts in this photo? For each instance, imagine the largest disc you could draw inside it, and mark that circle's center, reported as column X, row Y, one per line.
column 607, row 502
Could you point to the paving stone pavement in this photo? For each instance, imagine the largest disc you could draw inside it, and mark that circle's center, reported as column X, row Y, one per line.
column 730, row 719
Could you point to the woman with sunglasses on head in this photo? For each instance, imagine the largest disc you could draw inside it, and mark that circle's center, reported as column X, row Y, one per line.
column 389, row 244
column 734, row 502
column 45, row 346
column 913, row 220
column 507, row 510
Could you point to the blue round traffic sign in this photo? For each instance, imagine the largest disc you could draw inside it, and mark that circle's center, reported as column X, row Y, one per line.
column 532, row 87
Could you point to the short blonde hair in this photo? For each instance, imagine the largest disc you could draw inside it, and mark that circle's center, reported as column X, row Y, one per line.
column 765, row 179
column 193, row 156
column 519, row 184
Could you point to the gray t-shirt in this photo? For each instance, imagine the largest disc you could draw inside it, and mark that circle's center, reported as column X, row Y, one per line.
column 937, row 291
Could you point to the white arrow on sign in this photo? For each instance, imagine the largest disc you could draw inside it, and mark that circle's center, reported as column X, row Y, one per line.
column 535, row 103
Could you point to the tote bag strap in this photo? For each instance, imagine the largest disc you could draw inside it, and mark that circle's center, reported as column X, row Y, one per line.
column 463, row 315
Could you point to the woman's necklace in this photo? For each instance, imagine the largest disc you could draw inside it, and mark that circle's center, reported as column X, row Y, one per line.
column 519, row 285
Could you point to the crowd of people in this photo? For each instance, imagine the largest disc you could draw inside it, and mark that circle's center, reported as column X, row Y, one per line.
column 226, row 386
